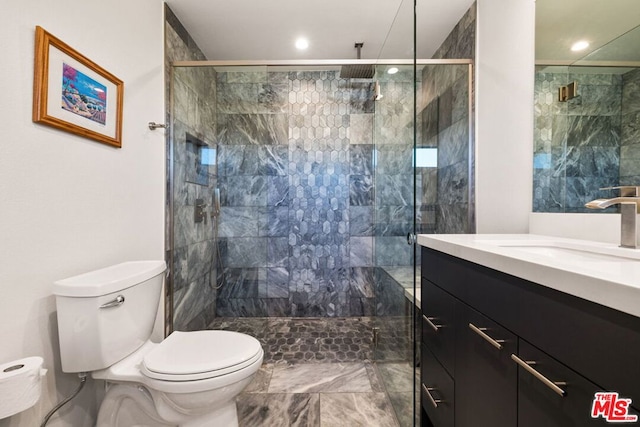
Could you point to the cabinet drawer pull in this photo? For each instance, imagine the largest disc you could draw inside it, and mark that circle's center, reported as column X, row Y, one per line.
column 429, row 321
column 480, row 331
column 552, row 385
column 428, row 391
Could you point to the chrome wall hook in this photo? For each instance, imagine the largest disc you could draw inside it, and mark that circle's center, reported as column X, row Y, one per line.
column 154, row 125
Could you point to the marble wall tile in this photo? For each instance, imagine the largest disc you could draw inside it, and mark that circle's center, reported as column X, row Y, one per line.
column 460, row 102
column 548, row 192
column 362, row 281
column 361, row 100
column 279, row 307
column 586, row 134
column 394, row 159
column 452, row 218
column 190, row 301
column 274, row 160
column 445, row 109
column 180, row 268
column 361, row 129
column 630, row 160
column 394, row 190
column 598, row 131
column 194, row 96
column 273, row 98
column 390, row 299
column 392, row 251
column 274, row 222
column 184, row 230
column 588, row 161
column 242, row 307
column 445, row 89
column 252, row 129
column 361, row 191
column 241, row 282
column 453, row 183
column 278, row 191
column 278, row 252
column 361, row 159
column 595, row 100
column 237, row 97
column 580, row 190
column 254, row 190
column 278, row 282
column 361, row 251
column 238, row 160
column 362, row 306
column 453, row 145
column 245, row 76
column 430, row 120
column 631, row 91
column 238, row 222
column 361, row 220
column 199, row 259
column 242, row 252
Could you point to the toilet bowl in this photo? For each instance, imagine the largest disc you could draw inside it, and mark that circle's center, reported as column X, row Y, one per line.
column 190, row 379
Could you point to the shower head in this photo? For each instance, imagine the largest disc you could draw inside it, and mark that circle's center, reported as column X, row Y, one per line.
column 357, row 71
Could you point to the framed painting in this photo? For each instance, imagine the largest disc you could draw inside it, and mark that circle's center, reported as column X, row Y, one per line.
column 73, row 93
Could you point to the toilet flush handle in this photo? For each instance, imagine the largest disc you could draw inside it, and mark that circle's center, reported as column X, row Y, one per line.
column 119, row 300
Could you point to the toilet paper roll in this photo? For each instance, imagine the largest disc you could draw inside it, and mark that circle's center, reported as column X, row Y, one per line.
column 20, row 385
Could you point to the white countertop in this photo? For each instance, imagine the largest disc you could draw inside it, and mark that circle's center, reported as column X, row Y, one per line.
column 611, row 277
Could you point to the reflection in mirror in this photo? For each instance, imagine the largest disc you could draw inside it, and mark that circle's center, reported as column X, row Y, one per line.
column 589, row 139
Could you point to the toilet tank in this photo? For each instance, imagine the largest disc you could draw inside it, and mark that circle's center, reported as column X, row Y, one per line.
column 107, row 314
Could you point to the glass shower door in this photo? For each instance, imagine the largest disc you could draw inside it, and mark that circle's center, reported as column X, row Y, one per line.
column 394, row 211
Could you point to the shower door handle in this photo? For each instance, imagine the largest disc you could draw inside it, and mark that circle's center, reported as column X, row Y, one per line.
column 411, row 239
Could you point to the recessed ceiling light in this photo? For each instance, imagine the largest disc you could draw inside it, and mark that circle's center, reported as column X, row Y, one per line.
column 392, row 70
column 302, row 43
column 581, row 45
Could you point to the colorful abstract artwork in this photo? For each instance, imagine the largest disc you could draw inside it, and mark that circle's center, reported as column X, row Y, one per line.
column 83, row 96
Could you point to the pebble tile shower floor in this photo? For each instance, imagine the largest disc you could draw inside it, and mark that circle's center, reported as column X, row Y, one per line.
column 320, row 340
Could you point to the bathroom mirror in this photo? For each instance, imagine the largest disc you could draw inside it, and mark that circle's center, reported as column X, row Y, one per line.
column 587, row 138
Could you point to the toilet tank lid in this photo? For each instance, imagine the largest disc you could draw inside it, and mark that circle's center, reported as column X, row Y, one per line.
column 108, row 280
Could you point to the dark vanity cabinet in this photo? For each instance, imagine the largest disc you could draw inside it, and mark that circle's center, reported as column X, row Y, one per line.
column 500, row 351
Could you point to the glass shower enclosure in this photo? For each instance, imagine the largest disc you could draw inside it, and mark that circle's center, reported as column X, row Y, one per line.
column 293, row 189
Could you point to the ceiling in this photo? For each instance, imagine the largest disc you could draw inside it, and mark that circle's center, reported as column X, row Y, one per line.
column 267, row 30
column 560, row 23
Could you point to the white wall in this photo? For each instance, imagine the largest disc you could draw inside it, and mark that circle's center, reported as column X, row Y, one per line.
column 69, row 204
column 504, row 114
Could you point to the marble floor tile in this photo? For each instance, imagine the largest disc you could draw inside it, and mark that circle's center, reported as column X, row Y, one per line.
column 260, row 383
column 329, row 377
column 356, row 409
column 397, row 377
column 278, row 410
column 374, row 376
column 401, row 402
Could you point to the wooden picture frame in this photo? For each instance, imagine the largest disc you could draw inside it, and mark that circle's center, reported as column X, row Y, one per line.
column 73, row 93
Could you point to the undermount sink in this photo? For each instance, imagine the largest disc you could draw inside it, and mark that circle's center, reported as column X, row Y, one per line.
column 574, row 252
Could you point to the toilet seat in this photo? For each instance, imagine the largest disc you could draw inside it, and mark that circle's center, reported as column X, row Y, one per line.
column 199, row 355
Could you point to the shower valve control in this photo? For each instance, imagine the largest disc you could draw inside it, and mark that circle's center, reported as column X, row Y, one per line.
column 200, row 211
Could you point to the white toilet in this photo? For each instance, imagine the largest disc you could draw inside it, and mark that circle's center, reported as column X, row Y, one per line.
column 191, row 379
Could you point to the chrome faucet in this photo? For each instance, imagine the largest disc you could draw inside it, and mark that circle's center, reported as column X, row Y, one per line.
column 629, row 202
